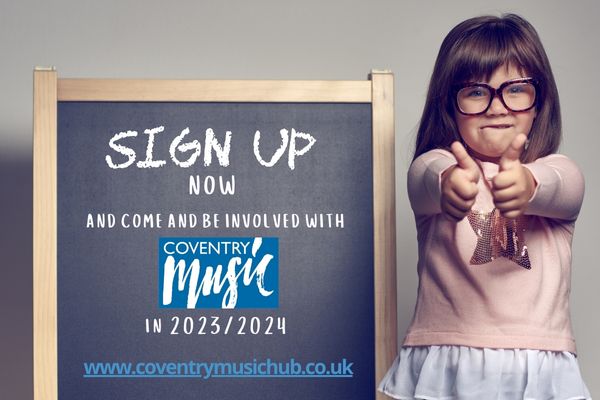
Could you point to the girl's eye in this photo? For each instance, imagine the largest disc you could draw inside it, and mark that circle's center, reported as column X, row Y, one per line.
column 476, row 92
column 515, row 89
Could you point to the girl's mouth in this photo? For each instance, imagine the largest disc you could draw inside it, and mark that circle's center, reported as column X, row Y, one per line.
column 497, row 126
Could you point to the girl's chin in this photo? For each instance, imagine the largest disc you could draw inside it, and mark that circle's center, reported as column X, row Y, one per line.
column 492, row 155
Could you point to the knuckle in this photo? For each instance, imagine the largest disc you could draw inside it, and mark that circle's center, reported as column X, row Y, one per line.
column 454, row 176
column 501, row 207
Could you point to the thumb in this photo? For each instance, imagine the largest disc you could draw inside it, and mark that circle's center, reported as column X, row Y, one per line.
column 513, row 152
column 465, row 161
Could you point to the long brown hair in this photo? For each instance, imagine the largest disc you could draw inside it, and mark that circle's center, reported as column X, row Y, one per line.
column 473, row 50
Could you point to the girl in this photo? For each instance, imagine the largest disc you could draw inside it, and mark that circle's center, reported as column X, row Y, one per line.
column 495, row 209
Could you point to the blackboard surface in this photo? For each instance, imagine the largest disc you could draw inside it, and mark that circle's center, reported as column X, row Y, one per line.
column 108, row 278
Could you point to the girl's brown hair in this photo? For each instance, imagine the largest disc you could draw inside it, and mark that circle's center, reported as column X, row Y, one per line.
column 473, row 50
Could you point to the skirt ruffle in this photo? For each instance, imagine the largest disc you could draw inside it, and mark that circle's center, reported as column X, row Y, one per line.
column 449, row 372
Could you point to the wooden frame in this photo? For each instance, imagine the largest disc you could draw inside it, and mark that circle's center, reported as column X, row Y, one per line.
column 48, row 90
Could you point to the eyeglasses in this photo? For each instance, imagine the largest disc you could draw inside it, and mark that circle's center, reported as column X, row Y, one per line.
column 516, row 95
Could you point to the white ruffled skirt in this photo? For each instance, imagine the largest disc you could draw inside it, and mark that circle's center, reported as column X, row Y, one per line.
column 449, row 372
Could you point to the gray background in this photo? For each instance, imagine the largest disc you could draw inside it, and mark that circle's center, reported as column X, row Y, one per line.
column 270, row 39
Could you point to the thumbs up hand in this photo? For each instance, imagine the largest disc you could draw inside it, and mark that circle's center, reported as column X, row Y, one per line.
column 514, row 185
column 459, row 184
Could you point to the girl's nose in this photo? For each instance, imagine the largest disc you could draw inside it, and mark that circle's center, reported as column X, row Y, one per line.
column 497, row 107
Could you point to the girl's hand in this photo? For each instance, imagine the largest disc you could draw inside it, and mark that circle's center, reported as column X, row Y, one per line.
column 514, row 185
column 459, row 184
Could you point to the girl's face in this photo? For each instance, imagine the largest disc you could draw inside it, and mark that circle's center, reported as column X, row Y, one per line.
column 489, row 134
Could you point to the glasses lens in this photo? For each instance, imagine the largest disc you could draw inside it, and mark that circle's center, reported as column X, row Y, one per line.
column 473, row 99
column 519, row 96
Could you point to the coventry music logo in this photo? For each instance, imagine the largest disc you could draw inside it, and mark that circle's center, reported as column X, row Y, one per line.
column 218, row 272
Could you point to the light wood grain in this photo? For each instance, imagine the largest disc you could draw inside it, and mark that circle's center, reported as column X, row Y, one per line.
column 44, row 237
column 214, row 91
column 384, row 218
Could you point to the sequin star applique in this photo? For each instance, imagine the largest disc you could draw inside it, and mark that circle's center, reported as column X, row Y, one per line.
column 498, row 236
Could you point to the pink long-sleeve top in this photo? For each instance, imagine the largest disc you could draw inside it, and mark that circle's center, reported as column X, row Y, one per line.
column 487, row 281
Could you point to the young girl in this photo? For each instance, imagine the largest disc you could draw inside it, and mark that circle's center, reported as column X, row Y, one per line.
column 495, row 209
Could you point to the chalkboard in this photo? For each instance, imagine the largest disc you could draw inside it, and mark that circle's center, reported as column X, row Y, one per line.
column 215, row 247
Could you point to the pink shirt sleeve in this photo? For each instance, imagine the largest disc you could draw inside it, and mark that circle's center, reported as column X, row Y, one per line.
column 558, row 194
column 560, row 188
column 424, row 181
